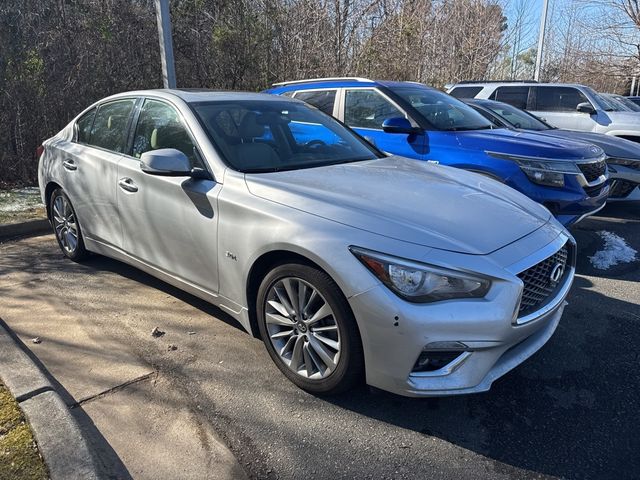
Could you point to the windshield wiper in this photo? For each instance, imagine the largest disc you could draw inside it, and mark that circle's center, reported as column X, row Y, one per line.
column 262, row 170
column 464, row 129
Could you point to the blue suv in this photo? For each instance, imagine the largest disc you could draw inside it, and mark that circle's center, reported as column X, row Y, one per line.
column 412, row 120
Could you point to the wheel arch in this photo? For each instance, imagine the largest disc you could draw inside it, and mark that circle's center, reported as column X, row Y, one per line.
column 48, row 191
column 265, row 263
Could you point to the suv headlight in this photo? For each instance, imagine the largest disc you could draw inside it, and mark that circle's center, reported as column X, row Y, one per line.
column 419, row 282
column 625, row 162
column 542, row 171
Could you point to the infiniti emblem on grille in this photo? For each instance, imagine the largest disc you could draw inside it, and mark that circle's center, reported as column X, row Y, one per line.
column 556, row 273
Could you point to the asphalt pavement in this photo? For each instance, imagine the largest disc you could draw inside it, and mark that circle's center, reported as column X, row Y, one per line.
column 570, row 411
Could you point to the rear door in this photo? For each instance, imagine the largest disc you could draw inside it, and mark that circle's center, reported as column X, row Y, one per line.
column 516, row 95
column 324, row 100
column 91, row 169
column 558, row 106
column 168, row 222
column 365, row 109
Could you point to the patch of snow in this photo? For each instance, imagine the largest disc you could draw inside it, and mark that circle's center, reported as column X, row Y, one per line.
column 20, row 200
column 17, row 205
column 27, row 191
column 615, row 251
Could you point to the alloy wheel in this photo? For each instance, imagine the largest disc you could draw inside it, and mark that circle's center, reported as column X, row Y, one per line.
column 64, row 222
column 302, row 328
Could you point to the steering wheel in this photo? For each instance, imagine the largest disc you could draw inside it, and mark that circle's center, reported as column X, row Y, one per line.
column 315, row 143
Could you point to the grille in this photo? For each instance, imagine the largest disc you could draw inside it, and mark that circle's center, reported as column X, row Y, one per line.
column 621, row 188
column 594, row 191
column 592, row 171
column 538, row 285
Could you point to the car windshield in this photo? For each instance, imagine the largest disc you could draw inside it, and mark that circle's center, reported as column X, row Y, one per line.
column 517, row 118
column 442, row 111
column 616, row 104
column 631, row 106
column 273, row 135
column 601, row 102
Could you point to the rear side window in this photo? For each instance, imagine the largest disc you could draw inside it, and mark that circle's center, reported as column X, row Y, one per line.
column 321, row 99
column 160, row 126
column 110, row 125
column 558, row 99
column 368, row 109
column 465, row 92
column 513, row 95
column 83, row 126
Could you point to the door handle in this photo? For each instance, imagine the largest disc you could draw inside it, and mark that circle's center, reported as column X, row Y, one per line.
column 70, row 165
column 127, row 184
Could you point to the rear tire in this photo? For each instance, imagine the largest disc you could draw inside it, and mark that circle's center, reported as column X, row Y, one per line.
column 308, row 329
column 66, row 226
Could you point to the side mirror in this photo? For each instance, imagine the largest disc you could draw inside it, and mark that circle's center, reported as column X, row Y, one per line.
column 165, row 161
column 399, row 125
column 585, row 107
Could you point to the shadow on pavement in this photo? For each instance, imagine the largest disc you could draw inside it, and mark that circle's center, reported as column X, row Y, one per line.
column 106, row 459
column 100, row 263
column 570, row 411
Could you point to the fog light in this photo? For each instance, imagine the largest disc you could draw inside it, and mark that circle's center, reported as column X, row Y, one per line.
column 437, row 355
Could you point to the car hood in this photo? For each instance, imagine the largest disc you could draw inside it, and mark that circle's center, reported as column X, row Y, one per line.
column 612, row 146
column 408, row 200
column 529, row 144
column 631, row 119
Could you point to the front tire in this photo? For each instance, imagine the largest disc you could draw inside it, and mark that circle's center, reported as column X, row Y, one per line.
column 66, row 226
column 308, row 329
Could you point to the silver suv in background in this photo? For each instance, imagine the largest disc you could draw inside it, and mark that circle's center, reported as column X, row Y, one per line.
column 563, row 105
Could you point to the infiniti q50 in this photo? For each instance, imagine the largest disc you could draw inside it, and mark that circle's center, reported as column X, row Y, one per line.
column 351, row 265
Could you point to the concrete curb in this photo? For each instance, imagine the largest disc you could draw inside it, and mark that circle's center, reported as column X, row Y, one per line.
column 23, row 229
column 60, row 440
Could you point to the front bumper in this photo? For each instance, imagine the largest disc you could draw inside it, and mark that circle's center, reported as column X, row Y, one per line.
column 569, row 204
column 394, row 333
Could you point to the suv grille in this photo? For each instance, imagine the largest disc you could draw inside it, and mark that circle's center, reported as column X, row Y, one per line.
column 594, row 191
column 592, row 171
column 621, row 188
column 538, row 284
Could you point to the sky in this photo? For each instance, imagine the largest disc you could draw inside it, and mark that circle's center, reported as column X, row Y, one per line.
column 589, row 12
column 536, row 10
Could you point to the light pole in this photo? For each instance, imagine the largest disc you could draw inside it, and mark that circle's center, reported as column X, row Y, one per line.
column 166, row 44
column 543, row 24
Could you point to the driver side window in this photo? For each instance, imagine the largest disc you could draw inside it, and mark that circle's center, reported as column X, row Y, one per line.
column 160, row 126
column 368, row 109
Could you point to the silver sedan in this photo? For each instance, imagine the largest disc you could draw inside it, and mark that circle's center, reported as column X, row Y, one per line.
column 349, row 264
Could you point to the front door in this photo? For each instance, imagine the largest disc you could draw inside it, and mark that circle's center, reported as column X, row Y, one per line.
column 365, row 109
column 558, row 107
column 170, row 223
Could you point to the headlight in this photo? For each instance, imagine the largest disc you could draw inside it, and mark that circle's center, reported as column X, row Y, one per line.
column 542, row 171
column 623, row 161
column 419, row 282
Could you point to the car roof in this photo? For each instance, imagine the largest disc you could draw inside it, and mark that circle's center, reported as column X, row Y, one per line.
column 517, row 83
column 480, row 101
column 197, row 95
column 339, row 82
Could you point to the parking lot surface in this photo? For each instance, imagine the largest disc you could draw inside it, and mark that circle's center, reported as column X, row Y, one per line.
column 570, row 411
